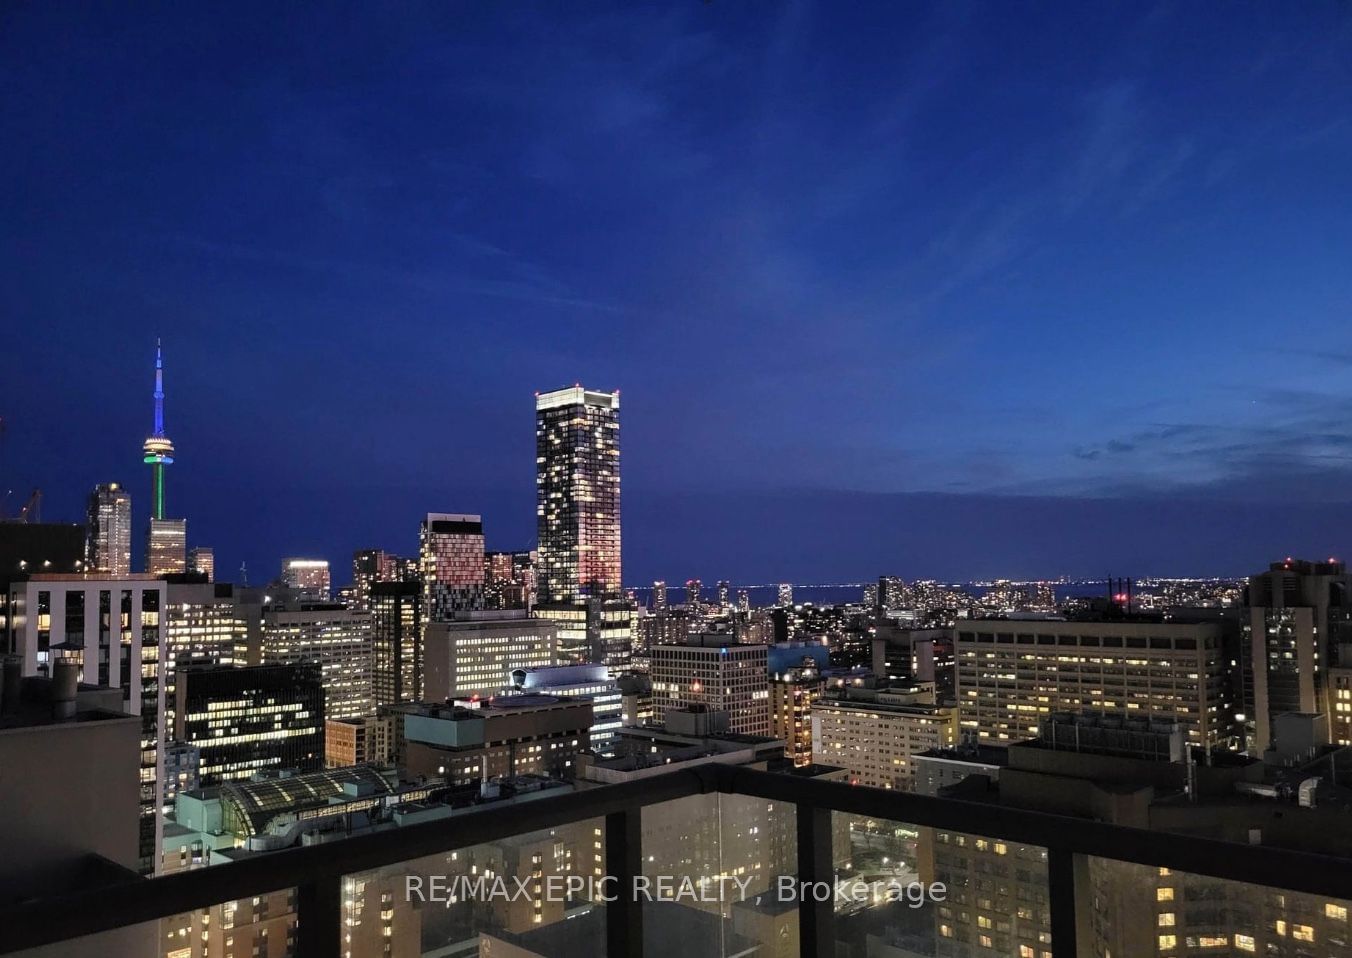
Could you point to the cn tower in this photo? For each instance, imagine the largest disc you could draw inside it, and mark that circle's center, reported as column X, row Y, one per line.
column 159, row 451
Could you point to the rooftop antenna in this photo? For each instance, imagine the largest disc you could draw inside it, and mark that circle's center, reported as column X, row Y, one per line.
column 243, row 575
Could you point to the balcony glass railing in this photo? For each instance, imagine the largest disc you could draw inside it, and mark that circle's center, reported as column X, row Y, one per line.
column 715, row 862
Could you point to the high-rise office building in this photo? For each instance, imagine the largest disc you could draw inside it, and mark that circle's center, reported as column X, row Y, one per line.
column 108, row 535
column 786, row 593
column 244, row 720
column 397, row 643
column 202, row 560
column 203, row 624
column 694, row 590
column 712, row 671
column 376, row 565
column 308, row 578
column 577, row 456
column 659, row 595
column 594, row 630
column 875, row 732
column 474, row 655
column 338, row 639
column 1297, row 629
column 451, row 555
column 1012, row 674
column 112, row 627
column 167, row 547
column 914, row 656
column 668, row 626
column 509, row 580
column 724, row 593
column 792, row 693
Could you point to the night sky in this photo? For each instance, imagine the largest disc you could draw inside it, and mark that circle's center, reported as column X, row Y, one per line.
column 935, row 290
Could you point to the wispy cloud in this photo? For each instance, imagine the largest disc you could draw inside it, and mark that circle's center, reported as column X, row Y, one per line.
column 1301, row 446
column 522, row 281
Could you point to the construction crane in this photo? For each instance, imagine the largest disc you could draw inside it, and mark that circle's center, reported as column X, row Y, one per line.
column 32, row 509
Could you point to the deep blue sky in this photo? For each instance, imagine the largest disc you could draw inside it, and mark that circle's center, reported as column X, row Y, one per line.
column 940, row 289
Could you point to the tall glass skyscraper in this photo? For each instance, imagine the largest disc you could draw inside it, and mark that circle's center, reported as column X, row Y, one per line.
column 451, row 555
column 577, row 461
column 108, row 530
column 397, row 628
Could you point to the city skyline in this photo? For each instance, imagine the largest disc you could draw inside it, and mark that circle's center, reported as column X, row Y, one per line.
column 1036, row 518
column 1058, row 287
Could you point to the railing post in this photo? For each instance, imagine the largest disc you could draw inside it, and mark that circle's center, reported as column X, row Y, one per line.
column 1062, row 866
column 319, row 918
column 624, row 860
column 816, row 919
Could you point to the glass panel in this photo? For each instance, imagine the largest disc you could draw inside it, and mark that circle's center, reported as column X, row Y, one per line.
column 712, row 865
column 908, row 890
column 538, row 893
column 261, row 927
column 137, row 941
column 1141, row 910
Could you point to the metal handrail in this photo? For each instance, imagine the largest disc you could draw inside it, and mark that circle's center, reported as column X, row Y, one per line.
column 317, row 871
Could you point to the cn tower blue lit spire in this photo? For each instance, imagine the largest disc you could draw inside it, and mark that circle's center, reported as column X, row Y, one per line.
column 159, row 389
column 159, row 451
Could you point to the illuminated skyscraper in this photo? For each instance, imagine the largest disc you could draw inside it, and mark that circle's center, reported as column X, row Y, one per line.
column 509, row 580
column 309, row 577
column 167, row 546
column 577, row 460
column 707, row 672
column 724, row 593
column 370, row 566
column 397, row 627
column 792, row 693
column 202, row 559
column 1013, row 674
column 111, row 628
column 786, row 593
column 693, row 589
column 452, row 562
column 476, row 653
column 874, row 732
column 659, row 595
column 1297, row 634
column 203, row 623
column 251, row 719
column 108, row 533
column 339, row 640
